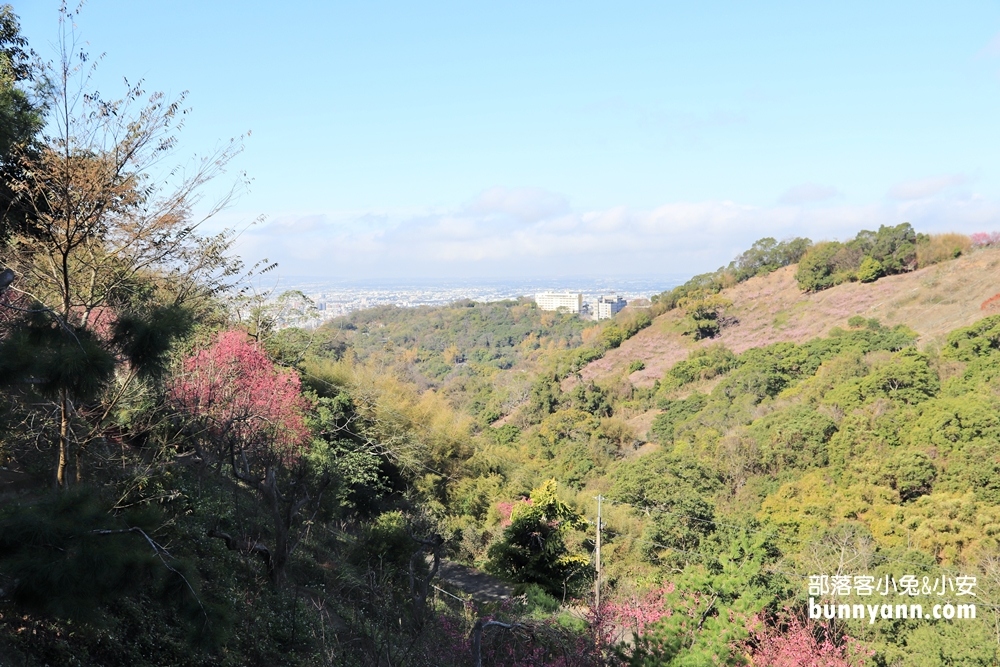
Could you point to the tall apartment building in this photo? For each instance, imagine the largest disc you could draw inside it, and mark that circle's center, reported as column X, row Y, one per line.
column 607, row 306
column 564, row 301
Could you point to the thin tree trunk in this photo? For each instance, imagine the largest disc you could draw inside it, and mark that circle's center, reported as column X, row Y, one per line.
column 78, row 463
column 281, row 528
column 61, row 478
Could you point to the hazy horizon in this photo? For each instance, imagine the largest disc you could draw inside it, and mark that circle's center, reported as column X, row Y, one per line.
column 450, row 140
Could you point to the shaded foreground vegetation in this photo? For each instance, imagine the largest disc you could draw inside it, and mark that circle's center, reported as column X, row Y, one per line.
column 180, row 487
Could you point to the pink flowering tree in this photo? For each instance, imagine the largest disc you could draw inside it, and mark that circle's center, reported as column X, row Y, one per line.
column 788, row 641
column 627, row 617
column 248, row 416
column 985, row 239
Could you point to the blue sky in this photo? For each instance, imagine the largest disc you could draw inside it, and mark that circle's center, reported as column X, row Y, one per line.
column 541, row 139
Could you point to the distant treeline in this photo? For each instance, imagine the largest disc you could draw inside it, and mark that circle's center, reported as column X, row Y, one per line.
column 764, row 256
column 872, row 255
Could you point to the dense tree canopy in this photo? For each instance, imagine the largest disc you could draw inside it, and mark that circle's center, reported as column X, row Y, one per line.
column 20, row 118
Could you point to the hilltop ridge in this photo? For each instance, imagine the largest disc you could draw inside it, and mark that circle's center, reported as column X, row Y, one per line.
column 768, row 309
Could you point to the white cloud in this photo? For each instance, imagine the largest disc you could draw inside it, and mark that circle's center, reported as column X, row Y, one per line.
column 513, row 235
column 808, row 193
column 525, row 204
column 925, row 187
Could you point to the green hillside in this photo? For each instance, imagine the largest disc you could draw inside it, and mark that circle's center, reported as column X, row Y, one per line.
column 814, row 426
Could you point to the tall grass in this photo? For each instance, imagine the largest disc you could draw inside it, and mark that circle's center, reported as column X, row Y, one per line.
column 942, row 247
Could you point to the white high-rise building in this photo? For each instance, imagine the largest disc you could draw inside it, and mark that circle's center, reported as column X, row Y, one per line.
column 607, row 306
column 568, row 302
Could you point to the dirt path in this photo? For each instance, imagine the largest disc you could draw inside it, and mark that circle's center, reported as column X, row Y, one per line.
column 479, row 585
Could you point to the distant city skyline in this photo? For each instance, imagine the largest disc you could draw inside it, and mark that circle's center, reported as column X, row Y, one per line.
column 338, row 298
column 523, row 285
column 447, row 140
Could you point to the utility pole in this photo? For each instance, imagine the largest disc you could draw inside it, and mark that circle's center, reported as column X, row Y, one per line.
column 597, row 584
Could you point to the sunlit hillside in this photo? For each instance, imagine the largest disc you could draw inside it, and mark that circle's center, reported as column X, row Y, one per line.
column 767, row 309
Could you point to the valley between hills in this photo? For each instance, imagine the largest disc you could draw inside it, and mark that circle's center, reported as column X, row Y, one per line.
column 425, row 483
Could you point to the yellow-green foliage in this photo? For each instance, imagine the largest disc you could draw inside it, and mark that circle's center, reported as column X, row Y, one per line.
column 830, row 374
column 802, row 510
column 949, row 526
column 533, row 547
column 941, row 247
column 418, row 431
column 849, row 448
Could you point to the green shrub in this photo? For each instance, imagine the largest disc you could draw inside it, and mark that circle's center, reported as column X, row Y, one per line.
column 675, row 412
column 612, row 336
column 815, row 270
column 702, row 364
column 869, row 271
column 978, row 340
column 794, row 438
column 866, row 257
column 537, row 600
column 533, row 550
column 704, row 315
